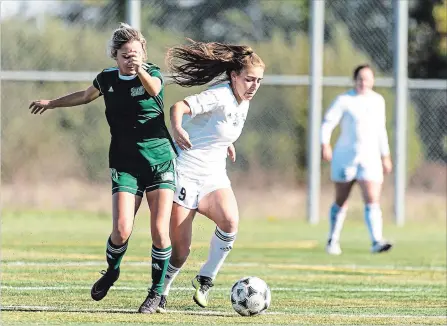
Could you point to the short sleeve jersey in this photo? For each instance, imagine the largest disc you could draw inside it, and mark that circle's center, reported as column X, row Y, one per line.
column 216, row 121
column 136, row 120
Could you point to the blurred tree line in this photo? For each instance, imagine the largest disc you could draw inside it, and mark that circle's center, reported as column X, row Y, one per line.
column 369, row 24
column 73, row 142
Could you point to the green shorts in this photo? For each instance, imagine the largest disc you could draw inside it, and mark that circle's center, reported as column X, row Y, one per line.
column 137, row 181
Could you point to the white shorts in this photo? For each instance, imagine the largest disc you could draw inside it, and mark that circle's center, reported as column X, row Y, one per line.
column 190, row 189
column 347, row 173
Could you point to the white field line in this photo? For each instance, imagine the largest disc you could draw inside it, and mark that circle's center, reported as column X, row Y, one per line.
column 352, row 267
column 278, row 289
column 211, row 313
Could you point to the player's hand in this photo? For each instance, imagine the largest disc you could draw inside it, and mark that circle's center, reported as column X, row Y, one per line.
column 135, row 60
column 181, row 138
column 231, row 151
column 387, row 164
column 40, row 106
column 326, row 152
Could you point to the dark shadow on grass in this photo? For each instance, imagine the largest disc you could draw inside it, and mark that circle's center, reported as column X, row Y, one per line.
column 109, row 311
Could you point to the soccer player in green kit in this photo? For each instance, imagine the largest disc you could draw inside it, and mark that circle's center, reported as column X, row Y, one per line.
column 140, row 158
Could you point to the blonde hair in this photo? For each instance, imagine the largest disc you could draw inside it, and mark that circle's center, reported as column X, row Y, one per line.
column 123, row 34
column 199, row 63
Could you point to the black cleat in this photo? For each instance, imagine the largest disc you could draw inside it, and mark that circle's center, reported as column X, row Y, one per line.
column 382, row 246
column 102, row 286
column 162, row 305
column 150, row 305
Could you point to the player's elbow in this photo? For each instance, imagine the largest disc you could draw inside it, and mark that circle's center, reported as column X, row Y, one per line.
column 153, row 85
column 154, row 90
column 173, row 108
column 325, row 134
column 180, row 107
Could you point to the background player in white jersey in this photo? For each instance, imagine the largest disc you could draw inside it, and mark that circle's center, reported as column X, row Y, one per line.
column 361, row 154
column 212, row 122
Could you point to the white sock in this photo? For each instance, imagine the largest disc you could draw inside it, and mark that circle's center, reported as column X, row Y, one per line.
column 337, row 216
column 171, row 274
column 373, row 219
column 221, row 245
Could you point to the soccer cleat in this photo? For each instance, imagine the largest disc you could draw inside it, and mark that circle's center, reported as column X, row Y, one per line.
column 102, row 286
column 202, row 284
column 161, row 309
column 382, row 246
column 150, row 305
column 333, row 248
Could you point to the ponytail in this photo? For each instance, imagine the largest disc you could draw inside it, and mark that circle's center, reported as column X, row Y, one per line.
column 200, row 63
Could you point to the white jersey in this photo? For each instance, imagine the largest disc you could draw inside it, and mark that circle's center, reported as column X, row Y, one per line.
column 363, row 139
column 215, row 123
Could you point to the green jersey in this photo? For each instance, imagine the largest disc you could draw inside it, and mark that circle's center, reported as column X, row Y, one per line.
column 136, row 120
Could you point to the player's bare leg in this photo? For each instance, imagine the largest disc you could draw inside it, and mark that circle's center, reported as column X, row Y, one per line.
column 181, row 235
column 160, row 205
column 373, row 215
column 125, row 206
column 221, row 207
column 337, row 216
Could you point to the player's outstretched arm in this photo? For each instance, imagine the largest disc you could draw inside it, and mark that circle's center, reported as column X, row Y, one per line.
column 73, row 99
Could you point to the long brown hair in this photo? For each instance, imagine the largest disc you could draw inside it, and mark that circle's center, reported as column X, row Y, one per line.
column 199, row 63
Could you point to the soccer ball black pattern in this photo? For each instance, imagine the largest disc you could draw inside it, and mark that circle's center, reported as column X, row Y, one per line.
column 250, row 296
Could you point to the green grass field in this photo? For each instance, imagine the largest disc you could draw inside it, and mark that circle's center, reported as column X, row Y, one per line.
column 50, row 261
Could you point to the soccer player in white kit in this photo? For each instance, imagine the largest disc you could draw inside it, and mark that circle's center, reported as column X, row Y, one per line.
column 212, row 122
column 361, row 154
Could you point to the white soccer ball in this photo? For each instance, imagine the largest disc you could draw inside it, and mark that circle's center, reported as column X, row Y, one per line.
column 250, row 296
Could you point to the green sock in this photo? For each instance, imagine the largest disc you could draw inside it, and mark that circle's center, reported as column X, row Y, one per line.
column 160, row 262
column 115, row 254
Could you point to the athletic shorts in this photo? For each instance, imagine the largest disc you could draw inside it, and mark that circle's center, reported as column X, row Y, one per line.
column 137, row 181
column 350, row 172
column 191, row 189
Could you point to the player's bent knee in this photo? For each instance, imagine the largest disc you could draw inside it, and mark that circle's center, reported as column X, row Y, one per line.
column 372, row 201
column 120, row 236
column 160, row 231
column 373, row 197
column 229, row 225
column 161, row 240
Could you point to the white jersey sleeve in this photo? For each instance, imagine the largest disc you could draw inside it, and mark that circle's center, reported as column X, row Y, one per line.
column 331, row 120
column 216, row 121
column 383, row 135
column 203, row 102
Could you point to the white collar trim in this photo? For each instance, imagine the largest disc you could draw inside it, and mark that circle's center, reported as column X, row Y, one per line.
column 124, row 77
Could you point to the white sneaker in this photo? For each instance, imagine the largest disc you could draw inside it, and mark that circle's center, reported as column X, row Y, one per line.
column 382, row 246
column 333, row 248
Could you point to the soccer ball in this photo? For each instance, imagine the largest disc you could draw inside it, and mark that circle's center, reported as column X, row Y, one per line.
column 250, row 296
